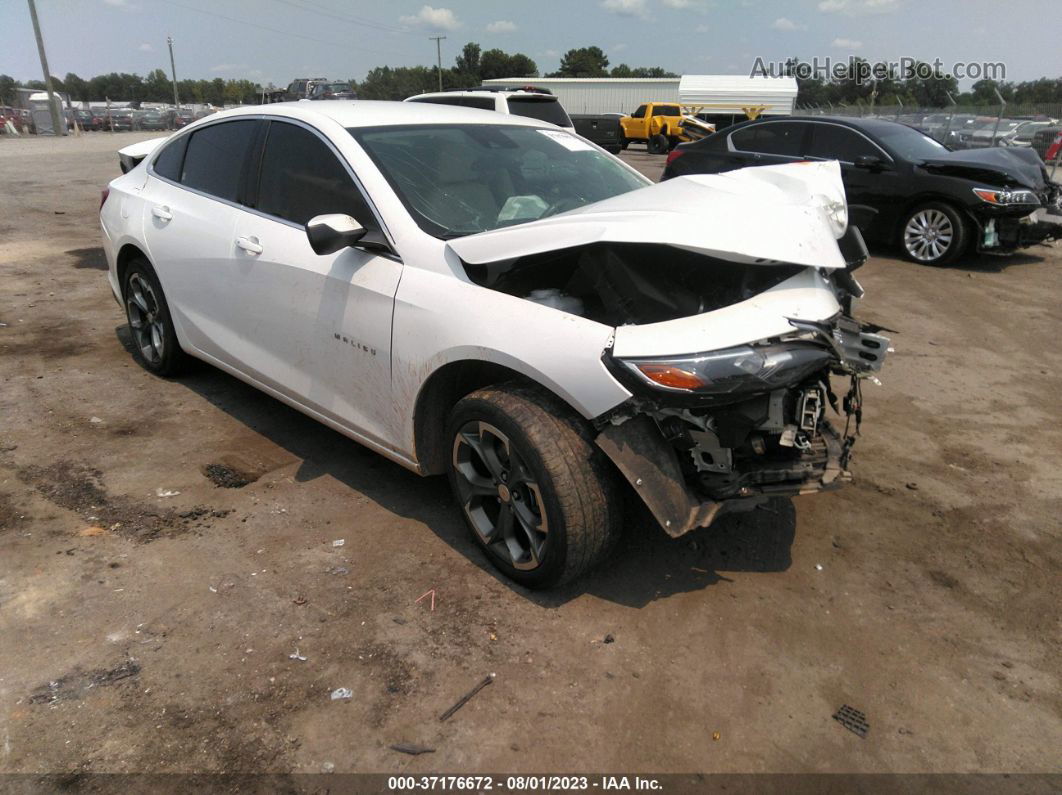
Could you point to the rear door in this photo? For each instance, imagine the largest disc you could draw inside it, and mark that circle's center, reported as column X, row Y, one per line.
column 316, row 328
column 190, row 196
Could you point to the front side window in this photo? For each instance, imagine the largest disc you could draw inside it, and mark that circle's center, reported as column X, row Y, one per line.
column 640, row 113
column 773, row 138
column 832, row 142
column 461, row 179
column 301, row 177
column 214, row 159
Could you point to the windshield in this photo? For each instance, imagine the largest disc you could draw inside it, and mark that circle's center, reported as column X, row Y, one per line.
column 909, row 143
column 457, row 180
column 542, row 109
column 1027, row 132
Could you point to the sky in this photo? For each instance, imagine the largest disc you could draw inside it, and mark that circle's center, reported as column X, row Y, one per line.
column 278, row 40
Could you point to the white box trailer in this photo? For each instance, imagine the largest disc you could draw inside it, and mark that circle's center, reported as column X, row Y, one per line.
column 738, row 94
column 600, row 94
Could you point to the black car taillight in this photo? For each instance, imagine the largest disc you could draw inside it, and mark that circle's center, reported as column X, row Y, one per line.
column 674, row 155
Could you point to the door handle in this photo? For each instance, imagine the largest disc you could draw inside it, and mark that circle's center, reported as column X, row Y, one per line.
column 249, row 244
column 162, row 213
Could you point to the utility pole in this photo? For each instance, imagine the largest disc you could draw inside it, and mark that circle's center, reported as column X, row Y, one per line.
column 173, row 73
column 438, row 54
column 57, row 128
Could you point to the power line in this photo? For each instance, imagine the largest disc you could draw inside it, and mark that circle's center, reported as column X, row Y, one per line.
column 316, row 9
column 248, row 23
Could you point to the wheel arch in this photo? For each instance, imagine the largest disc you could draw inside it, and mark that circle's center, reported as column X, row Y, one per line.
column 126, row 254
column 442, row 391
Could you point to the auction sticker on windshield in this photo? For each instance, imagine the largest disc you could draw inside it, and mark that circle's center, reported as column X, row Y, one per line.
column 567, row 140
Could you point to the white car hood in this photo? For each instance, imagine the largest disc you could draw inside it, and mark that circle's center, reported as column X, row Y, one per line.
column 765, row 215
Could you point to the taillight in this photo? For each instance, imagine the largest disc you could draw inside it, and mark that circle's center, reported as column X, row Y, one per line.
column 674, row 155
column 103, row 197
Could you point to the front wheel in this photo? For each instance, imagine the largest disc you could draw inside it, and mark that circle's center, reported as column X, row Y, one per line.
column 625, row 142
column 536, row 492
column 933, row 234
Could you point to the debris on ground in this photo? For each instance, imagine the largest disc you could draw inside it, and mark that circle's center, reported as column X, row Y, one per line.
column 342, row 694
column 161, row 492
column 412, row 749
column 339, row 542
column 430, row 593
column 609, row 638
column 226, row 477
column 716, row 735
column 300, row 600
column 853, row 720
column 912, row 486
column 818, row 567
column 300, row 658
column 91, row 530
column 95, row 420
column 73, row 685
column 488, row 679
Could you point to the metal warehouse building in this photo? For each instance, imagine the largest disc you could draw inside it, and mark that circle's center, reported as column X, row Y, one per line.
column 773, row 96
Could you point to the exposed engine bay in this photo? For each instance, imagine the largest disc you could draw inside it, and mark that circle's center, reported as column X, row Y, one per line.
column 629, row 283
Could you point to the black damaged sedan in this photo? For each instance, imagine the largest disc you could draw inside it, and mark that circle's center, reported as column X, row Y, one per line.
column 903, row 187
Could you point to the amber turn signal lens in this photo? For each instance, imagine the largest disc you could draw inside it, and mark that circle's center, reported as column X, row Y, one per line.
column 670, row 376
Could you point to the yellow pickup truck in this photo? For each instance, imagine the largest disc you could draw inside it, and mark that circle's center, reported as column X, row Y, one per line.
column 660, row 126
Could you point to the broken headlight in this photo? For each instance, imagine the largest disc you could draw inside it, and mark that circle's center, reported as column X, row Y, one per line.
column 745, row 370
column 1006, row 197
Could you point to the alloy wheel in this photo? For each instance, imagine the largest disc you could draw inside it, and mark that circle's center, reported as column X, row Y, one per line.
column 928, row 235
column 499, row 495
column 145, row 318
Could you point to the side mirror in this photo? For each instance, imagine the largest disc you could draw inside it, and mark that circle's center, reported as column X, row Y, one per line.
column 871, row 162
column 331, row 233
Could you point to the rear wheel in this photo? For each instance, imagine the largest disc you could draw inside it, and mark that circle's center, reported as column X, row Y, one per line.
column 624, row 143
column 933, row 233
column 155, row 344
column 538, row 495
column 657, row 144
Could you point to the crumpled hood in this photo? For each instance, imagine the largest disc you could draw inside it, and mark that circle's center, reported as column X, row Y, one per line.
column 1020, row 164
column 765, row 215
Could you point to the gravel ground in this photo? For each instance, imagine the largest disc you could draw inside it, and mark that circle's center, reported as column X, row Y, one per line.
column 168, row 546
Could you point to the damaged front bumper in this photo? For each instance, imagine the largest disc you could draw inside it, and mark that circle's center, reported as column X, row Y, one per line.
column 692, row 456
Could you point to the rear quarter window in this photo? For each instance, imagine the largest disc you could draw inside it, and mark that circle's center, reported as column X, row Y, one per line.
column 548, row 110
column 168, row 163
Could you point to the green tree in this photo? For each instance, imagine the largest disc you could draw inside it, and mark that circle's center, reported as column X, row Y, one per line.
column 78, row 88
column 583, row 62
column 467, row 63
column 8, row 84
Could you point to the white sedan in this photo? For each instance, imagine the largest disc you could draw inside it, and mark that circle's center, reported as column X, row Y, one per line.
column 498, row 299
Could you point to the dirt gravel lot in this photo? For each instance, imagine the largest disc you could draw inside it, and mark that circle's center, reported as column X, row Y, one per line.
column 149, row 607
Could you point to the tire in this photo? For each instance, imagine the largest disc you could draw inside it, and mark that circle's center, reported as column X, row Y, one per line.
column 539, row 497
column 155, row 345
column 933, row 233
column 624, row 143
column 657, row 144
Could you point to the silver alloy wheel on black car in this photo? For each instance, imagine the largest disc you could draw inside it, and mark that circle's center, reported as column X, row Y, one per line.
column 145, row 319
column 499, row 495
column 933, row 234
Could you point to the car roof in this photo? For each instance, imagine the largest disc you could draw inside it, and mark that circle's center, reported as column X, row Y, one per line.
column 868, row 125
column 479, row 92
column 374, row 113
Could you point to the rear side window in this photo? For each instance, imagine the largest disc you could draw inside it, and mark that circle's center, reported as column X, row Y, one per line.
column 833, row 142
column 667, row 110
column 439, row 100
column 775, row 138
column 482, row 103
column 542, row 109
column 301, row 177
column 214, row 160
column 168, row 163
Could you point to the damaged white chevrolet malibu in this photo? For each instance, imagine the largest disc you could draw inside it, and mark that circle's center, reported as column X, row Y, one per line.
column 499, row 300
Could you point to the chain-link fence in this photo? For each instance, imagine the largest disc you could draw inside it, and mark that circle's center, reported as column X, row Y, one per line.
column 969, row 127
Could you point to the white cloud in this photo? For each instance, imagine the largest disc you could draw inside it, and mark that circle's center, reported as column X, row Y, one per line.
column 847, row 44
column 435, row 18
column 618, row 47
column 784, row 23
column 228, row 67
column 551, row 53
column 702, row 29
column 626, row 8
column 677, row 3
column 859, row 7
column 501, row 26
column 145, row 47
column 126, row 4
